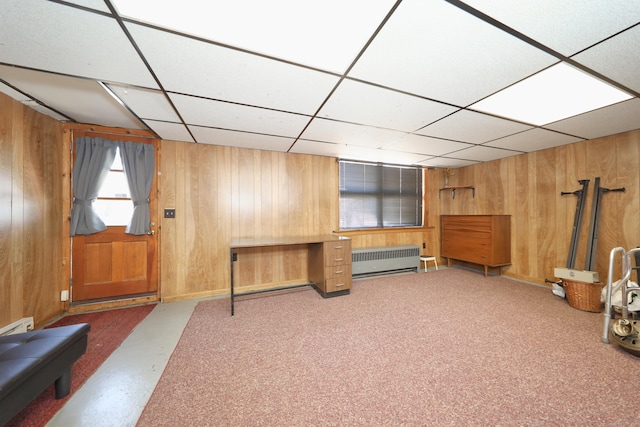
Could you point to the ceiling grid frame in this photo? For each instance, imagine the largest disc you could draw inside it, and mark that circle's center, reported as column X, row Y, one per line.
column 340, row 65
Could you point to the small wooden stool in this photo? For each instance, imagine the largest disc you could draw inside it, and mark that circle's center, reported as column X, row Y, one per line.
column 426, row 259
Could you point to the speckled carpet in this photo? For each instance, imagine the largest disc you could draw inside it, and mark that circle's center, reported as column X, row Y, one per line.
column 430, row 349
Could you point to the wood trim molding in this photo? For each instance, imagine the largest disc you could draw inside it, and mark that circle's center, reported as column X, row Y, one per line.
column 108, row 131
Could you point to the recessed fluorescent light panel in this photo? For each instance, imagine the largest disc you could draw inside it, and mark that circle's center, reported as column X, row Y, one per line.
column 554, row 94
column 288, row 29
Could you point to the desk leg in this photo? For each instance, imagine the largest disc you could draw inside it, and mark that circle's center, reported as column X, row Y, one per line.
column 231, row 260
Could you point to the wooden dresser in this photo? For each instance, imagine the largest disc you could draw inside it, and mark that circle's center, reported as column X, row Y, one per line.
column 478, row 239
column 330, row 267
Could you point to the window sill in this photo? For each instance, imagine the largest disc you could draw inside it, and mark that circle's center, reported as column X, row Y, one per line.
column 359, row 231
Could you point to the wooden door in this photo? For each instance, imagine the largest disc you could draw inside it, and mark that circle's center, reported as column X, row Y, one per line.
column 112, row 264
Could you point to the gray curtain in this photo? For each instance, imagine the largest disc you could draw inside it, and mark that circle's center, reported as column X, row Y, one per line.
column 94, row 157
column 138, row 162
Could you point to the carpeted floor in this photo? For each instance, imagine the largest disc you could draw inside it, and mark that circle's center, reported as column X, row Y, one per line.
column 108, row 329
column 443, row 348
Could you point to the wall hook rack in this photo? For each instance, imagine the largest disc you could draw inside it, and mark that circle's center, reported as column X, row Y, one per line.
column 454, row 188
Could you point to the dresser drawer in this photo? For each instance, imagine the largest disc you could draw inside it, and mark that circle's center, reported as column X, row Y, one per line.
column 480, row 255
column 458, row 235
column 473, row 222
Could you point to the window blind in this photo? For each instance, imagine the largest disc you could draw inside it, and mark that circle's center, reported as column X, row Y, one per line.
column 378, row 195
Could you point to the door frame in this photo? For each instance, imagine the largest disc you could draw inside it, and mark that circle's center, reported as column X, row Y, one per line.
column 71, row 131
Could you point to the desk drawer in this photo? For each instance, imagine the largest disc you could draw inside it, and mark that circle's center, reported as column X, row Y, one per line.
column 337, row 271
column 338, row 284
column 337, row 253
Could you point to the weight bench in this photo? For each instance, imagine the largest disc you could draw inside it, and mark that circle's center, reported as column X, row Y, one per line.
column 30, row 362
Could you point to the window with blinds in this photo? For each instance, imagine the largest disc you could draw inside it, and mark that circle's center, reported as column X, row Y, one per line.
column 378, row 195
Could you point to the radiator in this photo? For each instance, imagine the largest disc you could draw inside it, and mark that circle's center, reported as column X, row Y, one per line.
column 385, row 259
column 19, row 326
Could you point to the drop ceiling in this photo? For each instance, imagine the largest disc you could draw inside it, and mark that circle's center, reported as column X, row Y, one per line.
column 376, row 80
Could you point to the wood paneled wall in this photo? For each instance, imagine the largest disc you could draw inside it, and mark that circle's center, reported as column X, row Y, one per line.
column 221, row 193
column 528, row 188
column 34, row 250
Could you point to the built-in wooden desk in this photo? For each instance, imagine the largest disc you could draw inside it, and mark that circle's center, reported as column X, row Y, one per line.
column 329, row 262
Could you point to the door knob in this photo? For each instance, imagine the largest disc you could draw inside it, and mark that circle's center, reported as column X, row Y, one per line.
column 151, row 232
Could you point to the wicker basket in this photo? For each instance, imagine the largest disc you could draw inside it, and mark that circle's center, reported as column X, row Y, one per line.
column 582, row 295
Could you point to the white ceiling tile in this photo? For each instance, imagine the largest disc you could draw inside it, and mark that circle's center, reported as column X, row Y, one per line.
column 325, row 34
column 85, row 101
column 617, row 118
column 194, row 67
column 170, row 131
column 368, row 154
column 20, row 97
column 365, row 104
column 45, row 110
column 468, row 126
column 146, row 103
column 482, row 153
column 447, row 162
column 392, row 153
column 424, row 145
column 566, row 26
column 204, row 112
column 346, row 133
column 49, row 36
column 91, row 4
column 617, row 58
column 433, row 49
column 533, row 140
column 13, row 93
column 318, row 148
column 240, row 139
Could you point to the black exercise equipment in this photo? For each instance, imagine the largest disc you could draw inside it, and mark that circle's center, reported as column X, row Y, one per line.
column 592, row 242
column 577, row 220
